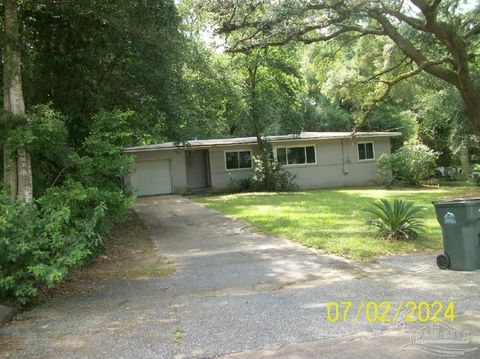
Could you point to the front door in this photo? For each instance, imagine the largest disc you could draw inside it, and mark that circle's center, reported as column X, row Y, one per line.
column 197, row 169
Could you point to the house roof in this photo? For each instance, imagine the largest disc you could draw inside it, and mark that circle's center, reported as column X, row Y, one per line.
column 304, row 136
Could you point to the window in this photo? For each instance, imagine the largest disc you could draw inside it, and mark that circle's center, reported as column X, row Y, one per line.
column 365, row 151
column 296, row 155
column 238, row 159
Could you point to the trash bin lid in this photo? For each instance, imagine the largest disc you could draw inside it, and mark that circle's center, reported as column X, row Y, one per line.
column 458, row 202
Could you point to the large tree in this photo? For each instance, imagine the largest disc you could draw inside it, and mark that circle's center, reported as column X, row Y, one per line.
column 86, row 57
column 271, row 84
column 436, row 37
column 17, row 163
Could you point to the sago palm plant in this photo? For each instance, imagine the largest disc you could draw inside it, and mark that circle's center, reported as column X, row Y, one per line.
column 397, row 219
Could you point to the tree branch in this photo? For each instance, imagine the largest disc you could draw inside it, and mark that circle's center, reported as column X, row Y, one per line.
column 390, row 69
column 406, row 75
column 412, row 21
column 409, row 50
column 473, row 31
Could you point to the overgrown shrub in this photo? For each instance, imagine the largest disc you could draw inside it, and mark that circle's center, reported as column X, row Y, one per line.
column 41, row 241
column 268, row 175
column 241, row 184
column 397, row 219
column 413, row 164
column 385, row 170
column 285, row 180
column 100, row 162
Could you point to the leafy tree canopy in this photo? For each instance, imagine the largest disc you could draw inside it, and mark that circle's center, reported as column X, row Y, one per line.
column 436, row 37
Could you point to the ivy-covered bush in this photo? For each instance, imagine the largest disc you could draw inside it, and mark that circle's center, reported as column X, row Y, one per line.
column 241, row 184
column 413, row 164
column 41, row 241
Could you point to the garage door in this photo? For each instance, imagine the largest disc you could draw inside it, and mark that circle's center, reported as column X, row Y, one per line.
column 152, row 177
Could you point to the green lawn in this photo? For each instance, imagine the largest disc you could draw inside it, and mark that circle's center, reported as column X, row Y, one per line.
column 332, row 220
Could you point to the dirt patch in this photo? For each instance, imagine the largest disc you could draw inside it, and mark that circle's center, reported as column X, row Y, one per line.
column 9, row 342
column 130, row 254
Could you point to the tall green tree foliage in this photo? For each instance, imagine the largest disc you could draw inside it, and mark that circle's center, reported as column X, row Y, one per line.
column 441, row 123
column 271, row 85
column 340, row 91
column 436, row 37
column 212, row 93
column 91, row 56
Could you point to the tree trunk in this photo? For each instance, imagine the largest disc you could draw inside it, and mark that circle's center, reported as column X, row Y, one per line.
column 18, row 170
column 9, row 173
column 465, row 160
column 24, row 172
column 471, row 101
column 257, row 127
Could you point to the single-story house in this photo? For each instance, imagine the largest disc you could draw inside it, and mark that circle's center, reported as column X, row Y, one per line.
column 319, row 159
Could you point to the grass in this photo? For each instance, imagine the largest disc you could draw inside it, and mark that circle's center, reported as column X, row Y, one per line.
column 178, row 335
column 332, row 220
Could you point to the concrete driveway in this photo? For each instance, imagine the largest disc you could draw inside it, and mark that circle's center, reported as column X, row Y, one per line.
column 239, row 294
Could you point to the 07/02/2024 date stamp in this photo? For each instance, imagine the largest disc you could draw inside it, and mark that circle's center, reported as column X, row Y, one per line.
column 387, row 312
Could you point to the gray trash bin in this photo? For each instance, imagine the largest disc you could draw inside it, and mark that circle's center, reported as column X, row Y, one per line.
column 460, row 222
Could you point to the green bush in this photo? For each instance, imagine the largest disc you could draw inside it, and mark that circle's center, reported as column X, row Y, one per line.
column 41, row 241
column 397, row 219
column 100, row 162
column 385, row 170
column 285, row 180
column 267, row 175
column 241, row 184
column 475, row 175
column 413, row 164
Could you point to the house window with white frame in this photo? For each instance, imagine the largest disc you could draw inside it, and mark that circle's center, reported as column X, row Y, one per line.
column 366, row 151
column 296, row 155
column 235, row 160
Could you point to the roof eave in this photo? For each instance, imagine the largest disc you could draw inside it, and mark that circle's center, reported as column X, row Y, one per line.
column 253, row 142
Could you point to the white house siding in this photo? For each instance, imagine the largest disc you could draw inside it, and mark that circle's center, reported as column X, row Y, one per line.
column 220, row 176
column 327, row 172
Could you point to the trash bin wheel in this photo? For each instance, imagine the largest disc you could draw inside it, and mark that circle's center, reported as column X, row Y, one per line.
column 443, row 262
